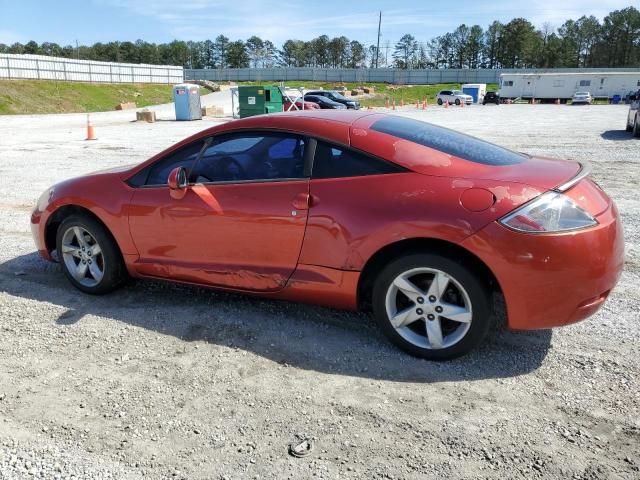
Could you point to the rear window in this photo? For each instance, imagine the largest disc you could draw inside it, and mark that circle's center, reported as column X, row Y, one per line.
column 447, row 141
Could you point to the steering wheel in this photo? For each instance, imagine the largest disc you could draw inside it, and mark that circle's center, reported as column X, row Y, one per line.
column 227, row 163
column 224, row 169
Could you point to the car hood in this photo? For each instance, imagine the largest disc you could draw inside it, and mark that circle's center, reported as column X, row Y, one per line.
column 118, row 169
column 120, row 172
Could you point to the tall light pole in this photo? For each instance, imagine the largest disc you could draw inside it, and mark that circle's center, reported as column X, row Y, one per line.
column 378, row 45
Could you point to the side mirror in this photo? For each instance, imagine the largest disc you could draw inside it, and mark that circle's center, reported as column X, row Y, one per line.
column 177, row 178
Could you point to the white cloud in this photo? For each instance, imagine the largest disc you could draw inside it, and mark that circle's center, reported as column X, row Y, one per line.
column 201, row 19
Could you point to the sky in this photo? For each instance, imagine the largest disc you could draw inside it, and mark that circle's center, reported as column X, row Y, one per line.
column 159, row 21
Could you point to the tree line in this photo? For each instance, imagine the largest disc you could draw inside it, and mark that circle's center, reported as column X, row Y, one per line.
column 585, row 42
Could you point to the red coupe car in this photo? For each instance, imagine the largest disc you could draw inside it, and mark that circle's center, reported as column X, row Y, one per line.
column 354, row 210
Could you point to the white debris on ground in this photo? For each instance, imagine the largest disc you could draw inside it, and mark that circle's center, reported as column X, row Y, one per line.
column 160, row 381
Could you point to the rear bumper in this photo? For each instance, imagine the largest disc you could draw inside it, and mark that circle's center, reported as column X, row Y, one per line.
column 555, row 279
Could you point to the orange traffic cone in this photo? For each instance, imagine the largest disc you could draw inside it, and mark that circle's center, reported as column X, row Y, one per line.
column 417, row 105
column 461, row 103
column 402, row 102
column 387, row 102
column 91, row 135
column 394, row 104
column 446, row 104
column 424, row 104
column 557, row 101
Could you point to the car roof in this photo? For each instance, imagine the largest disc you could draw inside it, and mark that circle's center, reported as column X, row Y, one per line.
column 332, row 125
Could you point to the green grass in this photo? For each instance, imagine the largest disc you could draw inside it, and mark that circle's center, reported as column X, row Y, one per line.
column 409, row 94
column 49, row 96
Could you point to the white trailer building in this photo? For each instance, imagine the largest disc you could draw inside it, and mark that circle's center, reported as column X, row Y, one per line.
column 552, row 86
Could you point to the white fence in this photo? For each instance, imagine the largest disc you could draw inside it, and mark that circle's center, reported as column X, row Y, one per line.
column 55, row 68
column 366, row 75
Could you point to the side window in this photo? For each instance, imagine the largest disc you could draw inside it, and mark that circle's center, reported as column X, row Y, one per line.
column 158, row 173
column 585, row 83
column 334, row 162
column 247, row 157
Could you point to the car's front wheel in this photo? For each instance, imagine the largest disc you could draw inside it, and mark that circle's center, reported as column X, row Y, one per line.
column 431, row 306
column 89, row 255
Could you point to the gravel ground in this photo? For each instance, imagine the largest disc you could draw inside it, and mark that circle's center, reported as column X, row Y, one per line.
column 160, row 381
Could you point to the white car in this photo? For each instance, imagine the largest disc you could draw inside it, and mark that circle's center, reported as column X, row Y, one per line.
column 582, row 97
column 633, row 117
column 453, row 96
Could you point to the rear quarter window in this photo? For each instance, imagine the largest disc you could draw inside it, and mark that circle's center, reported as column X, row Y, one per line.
column 333, row 161
column 447, row 141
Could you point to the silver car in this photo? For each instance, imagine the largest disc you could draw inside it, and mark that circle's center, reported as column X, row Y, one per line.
column 453, row 96
column 581, row 97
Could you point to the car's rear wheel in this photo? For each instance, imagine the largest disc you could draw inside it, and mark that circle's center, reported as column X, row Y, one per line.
column 439, row 101
column 431, row 306
column 89, row 256
column 457, row 101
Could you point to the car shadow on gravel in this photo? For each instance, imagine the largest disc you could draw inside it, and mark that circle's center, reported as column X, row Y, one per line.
column 616, row 135
column 300, row 336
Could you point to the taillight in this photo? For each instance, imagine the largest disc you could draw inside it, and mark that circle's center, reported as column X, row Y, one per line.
column 550, row 212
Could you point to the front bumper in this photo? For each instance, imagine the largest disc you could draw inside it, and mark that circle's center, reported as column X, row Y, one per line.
column 549, row 280
column 37, row 231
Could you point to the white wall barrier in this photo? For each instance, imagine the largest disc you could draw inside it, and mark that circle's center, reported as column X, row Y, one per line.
column 41, row 67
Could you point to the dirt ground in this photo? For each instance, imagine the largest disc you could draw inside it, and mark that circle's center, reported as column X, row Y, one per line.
column 159, row 381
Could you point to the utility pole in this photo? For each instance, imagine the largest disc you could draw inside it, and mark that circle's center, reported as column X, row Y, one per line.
column 378, row 45
column 77, row 50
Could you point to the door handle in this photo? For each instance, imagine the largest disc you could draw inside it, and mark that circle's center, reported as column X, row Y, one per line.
column 302, row 201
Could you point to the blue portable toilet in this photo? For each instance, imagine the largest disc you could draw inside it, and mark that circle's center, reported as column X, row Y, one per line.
column 186, row 98
column 476, row 90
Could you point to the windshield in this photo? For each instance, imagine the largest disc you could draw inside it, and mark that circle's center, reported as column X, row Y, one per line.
column 338, row 96
column 582, row 93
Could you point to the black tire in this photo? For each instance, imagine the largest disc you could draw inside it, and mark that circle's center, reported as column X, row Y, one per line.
column 636, row 127
column 629, row 128
column 114, row 270
column 476, row 290
column 457, row 101
column 440, row 101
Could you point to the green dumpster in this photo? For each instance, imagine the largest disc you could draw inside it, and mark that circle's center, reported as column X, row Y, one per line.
column 258, row 100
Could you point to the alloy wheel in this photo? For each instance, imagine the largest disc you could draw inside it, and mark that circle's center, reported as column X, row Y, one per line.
column 429, row 308
column 82, row 256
